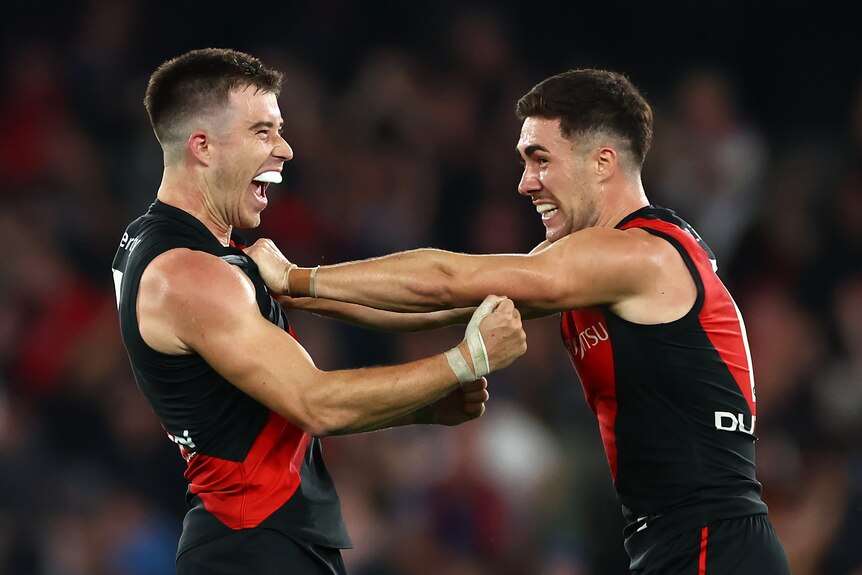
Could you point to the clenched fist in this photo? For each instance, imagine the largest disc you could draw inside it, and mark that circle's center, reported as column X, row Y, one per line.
column 274, row 267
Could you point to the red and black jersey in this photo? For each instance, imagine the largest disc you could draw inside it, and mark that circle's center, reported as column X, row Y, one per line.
column 675, row 402
column 247, row 466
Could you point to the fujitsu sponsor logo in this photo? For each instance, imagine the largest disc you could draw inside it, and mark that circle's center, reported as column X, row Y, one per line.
column 588, row 339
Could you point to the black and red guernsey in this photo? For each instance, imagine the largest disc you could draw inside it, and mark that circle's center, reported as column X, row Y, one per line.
column 675, row 402
column 247, row 466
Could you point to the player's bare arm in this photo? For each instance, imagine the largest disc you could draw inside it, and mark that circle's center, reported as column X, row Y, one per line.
column 222, row 323
column 377, row 319
column 640, row 276
column 460, row 406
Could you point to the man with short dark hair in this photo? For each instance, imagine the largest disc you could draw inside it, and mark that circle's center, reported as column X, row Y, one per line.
column 657, row 341
column 215, row 356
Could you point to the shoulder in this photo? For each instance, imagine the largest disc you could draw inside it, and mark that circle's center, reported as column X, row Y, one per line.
column 661, row 288
column 632, row 247
column 183, row 273
column 185, row 291
column 593, row 266
column 654, row 250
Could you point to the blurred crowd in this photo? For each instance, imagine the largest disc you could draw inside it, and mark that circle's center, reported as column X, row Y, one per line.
column 404, row 135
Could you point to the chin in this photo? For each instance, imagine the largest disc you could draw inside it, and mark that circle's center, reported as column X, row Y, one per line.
column 248, row 222
column 554, row 235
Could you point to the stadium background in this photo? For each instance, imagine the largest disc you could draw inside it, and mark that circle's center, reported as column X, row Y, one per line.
column 401, row 119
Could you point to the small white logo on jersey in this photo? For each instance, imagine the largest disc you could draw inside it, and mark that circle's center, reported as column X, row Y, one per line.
column 129, row 243
column 185, row 443
column 726, row 421
column 590, row 337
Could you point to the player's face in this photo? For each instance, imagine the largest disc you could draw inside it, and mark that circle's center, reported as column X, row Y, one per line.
column 249, row 143
column 556, row 178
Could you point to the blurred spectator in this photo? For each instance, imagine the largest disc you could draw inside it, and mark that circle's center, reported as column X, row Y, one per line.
column 708, row 163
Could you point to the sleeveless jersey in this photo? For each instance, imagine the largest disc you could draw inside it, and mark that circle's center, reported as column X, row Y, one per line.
column 675, row 402
column 247, row 466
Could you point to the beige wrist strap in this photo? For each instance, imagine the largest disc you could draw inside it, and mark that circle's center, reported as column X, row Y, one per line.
column 476, row 346
column 459, row 366
column 287, row 279
column 479, row 354
column 312, row 282
column 478, row 351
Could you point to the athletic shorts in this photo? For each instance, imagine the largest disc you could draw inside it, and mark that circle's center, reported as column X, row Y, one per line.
column 739, row 546
column 260, row 552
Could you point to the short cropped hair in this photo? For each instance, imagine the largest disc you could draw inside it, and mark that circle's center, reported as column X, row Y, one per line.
column 200, row 81
column 590, row 101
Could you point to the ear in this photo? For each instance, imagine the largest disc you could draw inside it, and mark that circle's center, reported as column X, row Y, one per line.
column 198, row 146
column 606, row 163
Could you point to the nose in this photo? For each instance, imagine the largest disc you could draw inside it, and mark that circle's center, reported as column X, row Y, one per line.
column 529, row 182
column 282, row 150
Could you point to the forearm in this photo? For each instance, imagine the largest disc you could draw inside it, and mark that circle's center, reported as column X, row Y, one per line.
column 413, row 281
column 422, row 416
column 377, row 319
column 361, row 400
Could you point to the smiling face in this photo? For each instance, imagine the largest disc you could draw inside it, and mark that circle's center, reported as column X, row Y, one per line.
column 557, row 178
column 246, row 142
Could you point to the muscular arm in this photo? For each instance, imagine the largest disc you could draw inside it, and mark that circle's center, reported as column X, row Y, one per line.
column 591, row 267
column 376, row 319
column 223, row 324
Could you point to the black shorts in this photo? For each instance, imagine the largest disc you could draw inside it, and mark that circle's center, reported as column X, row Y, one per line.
column 260, row 552
column 741, row 546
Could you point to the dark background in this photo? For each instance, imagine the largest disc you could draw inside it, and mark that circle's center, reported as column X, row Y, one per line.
column 401, row 119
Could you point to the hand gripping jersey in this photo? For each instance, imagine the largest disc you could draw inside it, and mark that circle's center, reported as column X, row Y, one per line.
column 247, row 467
column 675, row 402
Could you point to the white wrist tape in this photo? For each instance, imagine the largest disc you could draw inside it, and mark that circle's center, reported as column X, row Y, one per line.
column 478, row 351
column 312, row 282
column 459, row 366
column 479, row 354
column 476, row 345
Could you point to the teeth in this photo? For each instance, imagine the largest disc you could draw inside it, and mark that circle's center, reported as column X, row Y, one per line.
column 542, row 208
column 272, row 177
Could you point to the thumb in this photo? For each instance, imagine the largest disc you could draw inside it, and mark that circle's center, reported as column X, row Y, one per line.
column 484, row 310
column 255, row 246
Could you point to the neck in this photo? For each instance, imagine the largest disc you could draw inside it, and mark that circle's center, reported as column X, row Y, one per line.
column 620, row 200
column 183, row 191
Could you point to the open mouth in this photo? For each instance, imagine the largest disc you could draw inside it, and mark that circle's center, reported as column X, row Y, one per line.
column 271, row 177
column 263, row 180
column 547, row 211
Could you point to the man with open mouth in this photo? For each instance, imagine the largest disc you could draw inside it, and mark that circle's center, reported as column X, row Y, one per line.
column 214, row 353
column 658, row 343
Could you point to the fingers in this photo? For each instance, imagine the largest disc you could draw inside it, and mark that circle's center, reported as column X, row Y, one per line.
column 491, row 301
column 486, row 308
column 260, row 244
column 475, row 391
column 480, row 383
column 474, row 410
column 504, row 305
column 480, row 396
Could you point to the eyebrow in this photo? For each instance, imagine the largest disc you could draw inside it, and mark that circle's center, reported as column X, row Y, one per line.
column 533, row 148
column 263, row 124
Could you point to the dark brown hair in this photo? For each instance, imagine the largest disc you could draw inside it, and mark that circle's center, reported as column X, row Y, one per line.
column 201, row 80
column 591, row 101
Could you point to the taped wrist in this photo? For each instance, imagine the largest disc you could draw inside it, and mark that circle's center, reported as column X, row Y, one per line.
column 312, row 282
column 476, row 345
column 479, row 353
column 459, row 366
column 287, row 279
